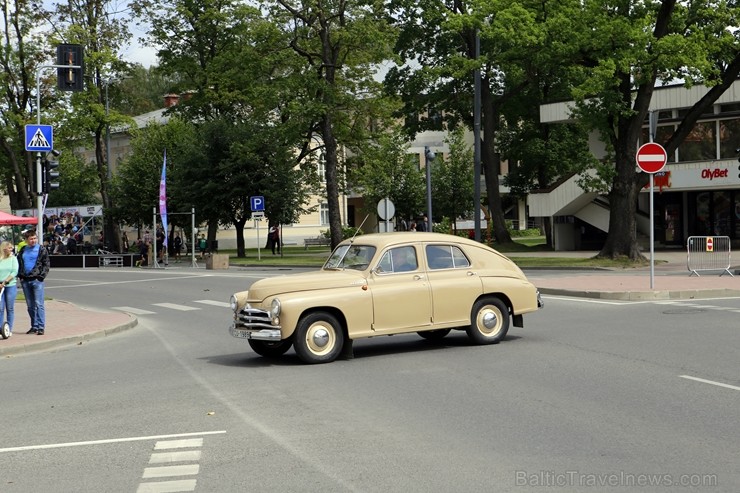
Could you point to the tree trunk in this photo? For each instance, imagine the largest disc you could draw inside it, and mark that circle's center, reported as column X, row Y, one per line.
column 240, row 248
column 491, row 161
column 622, row 238
column 332, row 180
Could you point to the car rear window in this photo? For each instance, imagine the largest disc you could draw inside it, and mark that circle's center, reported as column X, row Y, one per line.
column 446, row 257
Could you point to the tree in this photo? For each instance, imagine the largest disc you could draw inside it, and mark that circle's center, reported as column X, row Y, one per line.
column 238, row 74
column 383, row 169
column 24, row 48
column 77, row 183
column 95, row 25
column 657, row 42
column 136, row 184
column 340, row 43
column 437, row 49
column 452, row 180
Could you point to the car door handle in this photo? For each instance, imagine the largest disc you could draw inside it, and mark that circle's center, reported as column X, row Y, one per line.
column 471, row 273
column 418, row 277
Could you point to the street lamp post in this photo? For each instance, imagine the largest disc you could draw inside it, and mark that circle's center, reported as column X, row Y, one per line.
column 107, row 131
column 429, row 155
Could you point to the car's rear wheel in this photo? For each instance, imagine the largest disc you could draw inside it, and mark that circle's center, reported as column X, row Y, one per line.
column 434, row 335
column 270, row 349
column 489, row 321
column 318, row 338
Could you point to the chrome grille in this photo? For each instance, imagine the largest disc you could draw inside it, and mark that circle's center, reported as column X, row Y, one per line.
column 253, row 318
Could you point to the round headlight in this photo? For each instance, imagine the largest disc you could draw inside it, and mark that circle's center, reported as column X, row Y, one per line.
column 233, row 303
column 275, row 309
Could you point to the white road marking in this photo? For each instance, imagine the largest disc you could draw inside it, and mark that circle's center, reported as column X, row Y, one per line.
column 167, row 486
column 710, row 382
column 214, row 303
column 108, row 283
column 168, row 471
column 174, row 306
column 111, row 440
column 169, row 457
column 131, row 309
column 192, row 442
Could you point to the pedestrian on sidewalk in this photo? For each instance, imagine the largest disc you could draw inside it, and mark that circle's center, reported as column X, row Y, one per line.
column 8, row 272
column 33, row 266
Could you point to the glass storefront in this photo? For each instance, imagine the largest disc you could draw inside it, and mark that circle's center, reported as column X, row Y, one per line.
column 714, row 213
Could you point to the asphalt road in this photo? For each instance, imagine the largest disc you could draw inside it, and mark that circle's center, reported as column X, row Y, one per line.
column 589, row 396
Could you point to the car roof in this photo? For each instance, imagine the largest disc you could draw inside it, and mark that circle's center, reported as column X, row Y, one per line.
column 380, row 240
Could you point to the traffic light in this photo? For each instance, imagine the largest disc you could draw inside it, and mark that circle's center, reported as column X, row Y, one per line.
column 70, row 79
column 50, row 173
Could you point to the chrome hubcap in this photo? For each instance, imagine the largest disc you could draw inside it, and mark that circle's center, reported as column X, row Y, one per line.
column 320, row 338
column 490, row 320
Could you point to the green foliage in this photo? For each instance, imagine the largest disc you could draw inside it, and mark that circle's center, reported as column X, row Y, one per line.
column 383, row 168
column 77, row 183
column 452, row 179
column 136, row 185
column 347, row 232
column 524, row 233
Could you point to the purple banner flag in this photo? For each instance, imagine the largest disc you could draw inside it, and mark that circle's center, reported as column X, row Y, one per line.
column 163, row 197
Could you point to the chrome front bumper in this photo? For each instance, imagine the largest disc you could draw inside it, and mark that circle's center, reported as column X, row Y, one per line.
column 540, row 303
column 259, row 335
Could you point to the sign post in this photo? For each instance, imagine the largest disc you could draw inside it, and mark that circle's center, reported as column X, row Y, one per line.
column 257, row 203
column 651, row 158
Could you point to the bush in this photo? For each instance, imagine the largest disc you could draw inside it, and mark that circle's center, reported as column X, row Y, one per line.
column 347, row 232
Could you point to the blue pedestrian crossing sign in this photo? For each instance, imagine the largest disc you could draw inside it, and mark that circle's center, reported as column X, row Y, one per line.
column 39, row 138
column 257, row 202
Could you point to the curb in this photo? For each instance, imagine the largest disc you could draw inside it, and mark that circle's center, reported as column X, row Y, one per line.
column 69, row 340
column 688, row 294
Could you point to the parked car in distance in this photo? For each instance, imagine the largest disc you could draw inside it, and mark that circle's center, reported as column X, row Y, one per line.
column 385, row 284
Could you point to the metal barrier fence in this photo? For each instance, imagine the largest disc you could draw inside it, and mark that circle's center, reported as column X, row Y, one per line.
column 708, row 253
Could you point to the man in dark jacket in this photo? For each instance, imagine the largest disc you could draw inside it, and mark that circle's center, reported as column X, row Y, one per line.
column 33, row 266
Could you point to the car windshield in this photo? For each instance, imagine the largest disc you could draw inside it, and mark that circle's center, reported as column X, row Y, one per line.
column 356, row 257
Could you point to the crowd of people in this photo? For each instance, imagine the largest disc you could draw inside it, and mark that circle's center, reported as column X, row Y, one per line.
column 63, row 234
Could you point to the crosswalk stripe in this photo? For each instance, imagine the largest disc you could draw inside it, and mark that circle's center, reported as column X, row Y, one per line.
column 174, row 306
column 167, row 471
column 168, row 457
column 214, row 303
column 167, row 486
column 131, row 309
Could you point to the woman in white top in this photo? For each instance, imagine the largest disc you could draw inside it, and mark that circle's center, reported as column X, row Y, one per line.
column 8, row 272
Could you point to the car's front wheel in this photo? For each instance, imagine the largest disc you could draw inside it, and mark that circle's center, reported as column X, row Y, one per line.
column 270, row 349
column 489, row 321
column 318, row 338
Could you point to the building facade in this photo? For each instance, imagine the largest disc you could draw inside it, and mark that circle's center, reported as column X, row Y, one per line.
column 696, row 194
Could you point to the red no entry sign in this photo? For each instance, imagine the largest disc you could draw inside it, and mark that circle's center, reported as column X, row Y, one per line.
column 651, row 157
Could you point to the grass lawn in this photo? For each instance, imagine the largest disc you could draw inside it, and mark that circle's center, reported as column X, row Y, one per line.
column 315, row 256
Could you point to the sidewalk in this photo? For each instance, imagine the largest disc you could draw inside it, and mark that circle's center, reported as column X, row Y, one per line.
column 65, row 324
column 671, row 280
column 69, row 324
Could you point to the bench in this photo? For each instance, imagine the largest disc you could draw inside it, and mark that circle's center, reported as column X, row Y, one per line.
column 320, row 240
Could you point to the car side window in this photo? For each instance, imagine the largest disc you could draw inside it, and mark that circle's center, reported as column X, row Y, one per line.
column 459, row 258
column 399, row 259
column 439, row 257
column 446, row 257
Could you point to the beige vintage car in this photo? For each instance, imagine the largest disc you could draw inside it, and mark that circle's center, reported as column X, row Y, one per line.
column 385, row 284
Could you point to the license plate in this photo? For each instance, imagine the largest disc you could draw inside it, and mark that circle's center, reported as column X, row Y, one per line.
column 244, row 334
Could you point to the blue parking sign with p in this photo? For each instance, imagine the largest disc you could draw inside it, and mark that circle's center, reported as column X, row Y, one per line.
column 257, row 202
